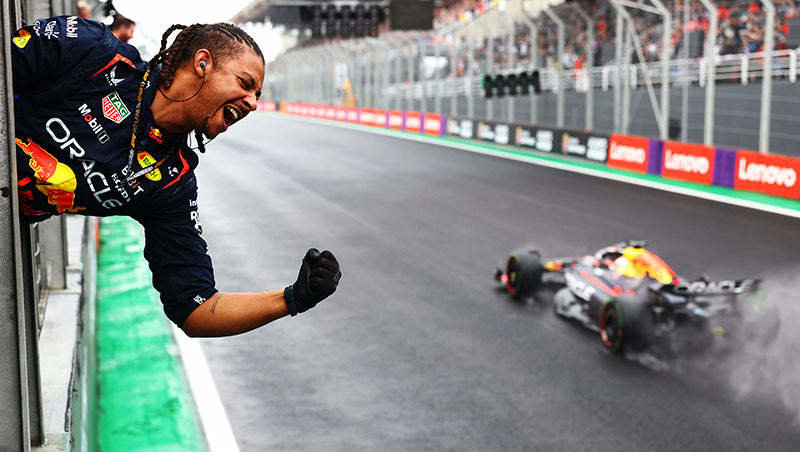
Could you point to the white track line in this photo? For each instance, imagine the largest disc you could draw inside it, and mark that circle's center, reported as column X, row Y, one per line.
column 219, row 435
column 565, row 167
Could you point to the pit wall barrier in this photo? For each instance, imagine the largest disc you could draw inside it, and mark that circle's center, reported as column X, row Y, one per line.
column 740, row 169
column 129, row 389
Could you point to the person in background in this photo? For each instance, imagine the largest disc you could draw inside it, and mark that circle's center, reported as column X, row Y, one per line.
column 84, row 10
column 123, row 28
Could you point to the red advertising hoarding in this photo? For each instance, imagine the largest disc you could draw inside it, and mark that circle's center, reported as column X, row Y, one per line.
column 432, row 124
column 352, row 115
column 413, row 121
column 689, row 162
column 380, row 118
column 396, row 120
column 372, row 117
column 266, row 106
column 766, row 173
column 628, row 153
column 341, row 114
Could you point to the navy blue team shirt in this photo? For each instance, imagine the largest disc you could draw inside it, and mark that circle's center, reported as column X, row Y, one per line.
column 75, row 90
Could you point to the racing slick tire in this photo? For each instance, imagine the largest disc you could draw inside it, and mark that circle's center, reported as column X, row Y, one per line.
column 625, row 323
column 524, row 270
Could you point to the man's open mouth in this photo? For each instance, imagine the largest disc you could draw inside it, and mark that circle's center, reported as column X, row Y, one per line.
column 230, row 115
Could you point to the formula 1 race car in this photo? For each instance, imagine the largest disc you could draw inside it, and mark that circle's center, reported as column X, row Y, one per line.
column 633, row 298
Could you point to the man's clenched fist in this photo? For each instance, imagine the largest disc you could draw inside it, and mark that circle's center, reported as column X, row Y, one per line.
column 318, row 278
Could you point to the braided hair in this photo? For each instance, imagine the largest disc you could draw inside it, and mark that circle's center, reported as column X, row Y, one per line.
column 221, row 39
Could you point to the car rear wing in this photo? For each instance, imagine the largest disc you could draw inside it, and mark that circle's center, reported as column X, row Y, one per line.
column 711, row 288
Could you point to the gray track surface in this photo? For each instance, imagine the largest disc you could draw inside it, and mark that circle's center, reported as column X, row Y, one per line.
column 417, row 350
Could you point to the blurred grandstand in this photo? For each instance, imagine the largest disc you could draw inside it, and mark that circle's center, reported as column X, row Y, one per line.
column 592, row 81
column 741, row 29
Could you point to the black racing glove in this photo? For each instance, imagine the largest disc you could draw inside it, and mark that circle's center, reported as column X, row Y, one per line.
column 318, row 278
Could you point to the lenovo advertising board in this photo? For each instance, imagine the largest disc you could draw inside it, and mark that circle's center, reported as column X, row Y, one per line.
column 628, row 153
column 365, row 116
column 372, row 117
column 352, row 115
column 433, row 124
column 381, row 118
column 413, row 121
column 396, row 120
column 689, row 162
column 266, row 106
column 767, row 173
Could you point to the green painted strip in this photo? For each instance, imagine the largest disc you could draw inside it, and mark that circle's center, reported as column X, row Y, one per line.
column 143, row 399
column 746, row 199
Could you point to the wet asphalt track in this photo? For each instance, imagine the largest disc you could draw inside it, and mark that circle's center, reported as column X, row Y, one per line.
column 417, row 350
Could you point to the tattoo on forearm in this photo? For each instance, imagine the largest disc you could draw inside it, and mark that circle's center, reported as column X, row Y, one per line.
column 214, row 306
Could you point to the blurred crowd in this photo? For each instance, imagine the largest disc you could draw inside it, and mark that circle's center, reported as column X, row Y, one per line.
column 121, row 27
column 741, row 30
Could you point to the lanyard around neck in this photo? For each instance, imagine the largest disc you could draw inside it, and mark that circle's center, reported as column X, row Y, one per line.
column 137, row 116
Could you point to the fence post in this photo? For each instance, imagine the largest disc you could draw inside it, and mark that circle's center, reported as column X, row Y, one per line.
column 534, row 55
column 470, row 69
column 588, row 67
column 455, row 49
column 559, row 67
column 710, row 60
column 512, row 64
column 766, row 78
column 666, row 52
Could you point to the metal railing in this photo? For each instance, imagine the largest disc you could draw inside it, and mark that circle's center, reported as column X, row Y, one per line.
column 423, row 71
column 741, row 68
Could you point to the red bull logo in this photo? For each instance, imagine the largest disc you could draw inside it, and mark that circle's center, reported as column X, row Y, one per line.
column 155, row 134
column 53, row 178
column 22, row 40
